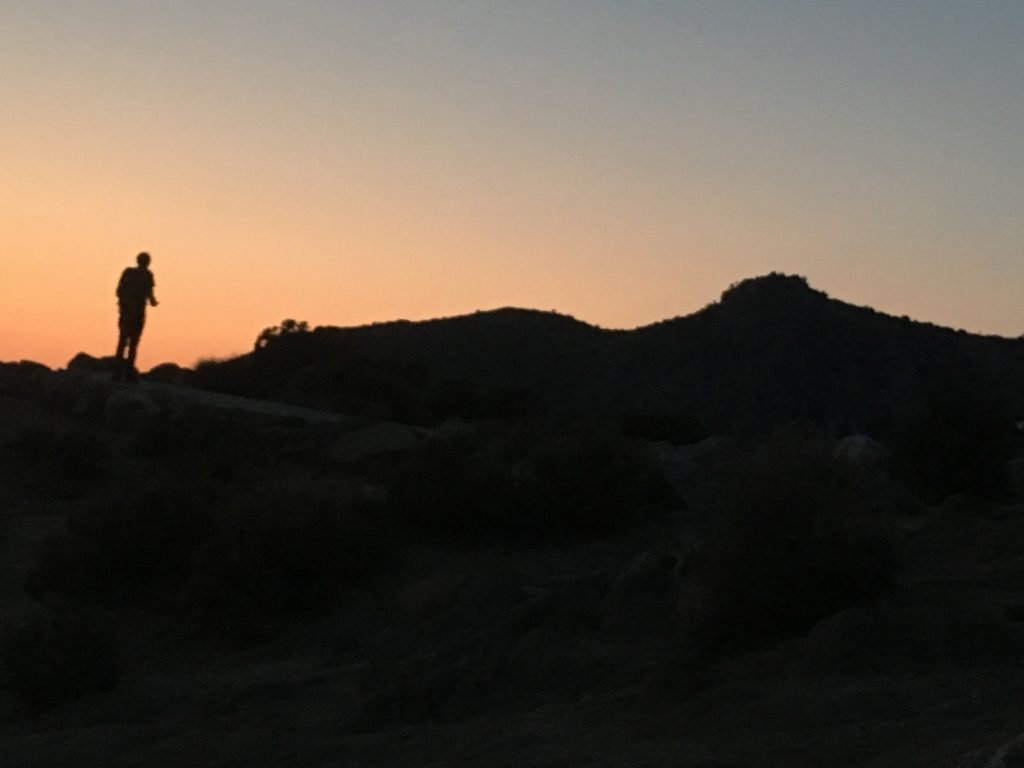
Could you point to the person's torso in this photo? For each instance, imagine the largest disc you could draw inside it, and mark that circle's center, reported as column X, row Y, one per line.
column 135, row 286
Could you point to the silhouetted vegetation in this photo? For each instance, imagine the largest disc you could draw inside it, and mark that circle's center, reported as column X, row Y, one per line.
column 47, row 659
column 123, row 551
column 576, row 481
column 952, row 429
column 677, row 425
column 287, row 327
column 277, row 554
column 239, row 560
column 65, row 463
column 795, row 536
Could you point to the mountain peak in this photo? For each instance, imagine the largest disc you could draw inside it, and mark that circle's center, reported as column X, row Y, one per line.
column 773, row 287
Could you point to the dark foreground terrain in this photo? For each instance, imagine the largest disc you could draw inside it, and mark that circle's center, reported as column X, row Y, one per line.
column 515, row 540
column 191, row 579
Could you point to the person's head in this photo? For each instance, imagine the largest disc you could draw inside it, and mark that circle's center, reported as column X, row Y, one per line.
column 142, row 259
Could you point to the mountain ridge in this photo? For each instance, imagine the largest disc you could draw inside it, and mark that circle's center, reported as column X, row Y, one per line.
column 773, row 350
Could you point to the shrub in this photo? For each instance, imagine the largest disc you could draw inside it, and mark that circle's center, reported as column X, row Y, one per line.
column 65, row 463
column 455, row 398
column 572, row 482
column 794, row 538
column 45, row 660
column 237, row 559
column 274, row 333
column 454, row 486
column 121, row 550
column 280, row 554
column 953, row 429
column 677, row 425
column 583, row 481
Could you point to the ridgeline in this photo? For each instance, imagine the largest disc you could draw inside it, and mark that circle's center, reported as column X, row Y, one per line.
column 772, row 351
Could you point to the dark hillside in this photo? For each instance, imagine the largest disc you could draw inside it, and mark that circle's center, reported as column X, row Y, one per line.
column 567, row 574
column 487, row 364
column 772, row 351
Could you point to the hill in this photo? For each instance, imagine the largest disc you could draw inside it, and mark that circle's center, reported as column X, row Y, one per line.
column 771, row 352
column 564, row 574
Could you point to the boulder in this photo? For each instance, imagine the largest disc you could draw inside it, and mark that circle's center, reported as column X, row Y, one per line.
column 169, row 373
column 25, row 368
column 905, row 634
column 22, row 379
column 86, row 363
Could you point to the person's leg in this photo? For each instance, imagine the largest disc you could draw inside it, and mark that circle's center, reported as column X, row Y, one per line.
column 122, row 343
column 132, row 350
column 132, row 320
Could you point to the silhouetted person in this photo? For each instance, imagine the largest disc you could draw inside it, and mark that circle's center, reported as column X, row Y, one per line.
column 134, row 290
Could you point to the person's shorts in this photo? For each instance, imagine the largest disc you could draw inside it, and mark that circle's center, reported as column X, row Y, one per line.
column 131, row 321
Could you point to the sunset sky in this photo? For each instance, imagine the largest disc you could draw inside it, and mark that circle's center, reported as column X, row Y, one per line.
column 344, row 161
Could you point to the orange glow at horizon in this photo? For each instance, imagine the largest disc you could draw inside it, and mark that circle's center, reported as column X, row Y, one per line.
column 348, row 163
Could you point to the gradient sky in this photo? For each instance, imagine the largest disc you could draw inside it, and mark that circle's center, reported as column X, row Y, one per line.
column 345, row 162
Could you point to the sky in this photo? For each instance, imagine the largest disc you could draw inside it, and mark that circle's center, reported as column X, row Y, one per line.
column 348, row 161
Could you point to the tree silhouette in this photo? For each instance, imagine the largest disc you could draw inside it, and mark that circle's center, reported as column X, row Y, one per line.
column 274, row 332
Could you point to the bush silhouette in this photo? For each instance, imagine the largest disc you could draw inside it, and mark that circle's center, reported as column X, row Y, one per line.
column 119, row 551
column 46, row 660
column 455, row 486
column 676, row 425
column 795, row 538
column 584, row 480
column 952, row 429
column 532, row 483
column 280, row 553
column 286, row 328
column 65, row 463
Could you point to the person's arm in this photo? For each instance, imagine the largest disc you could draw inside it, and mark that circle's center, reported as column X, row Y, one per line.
column 152, row 296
